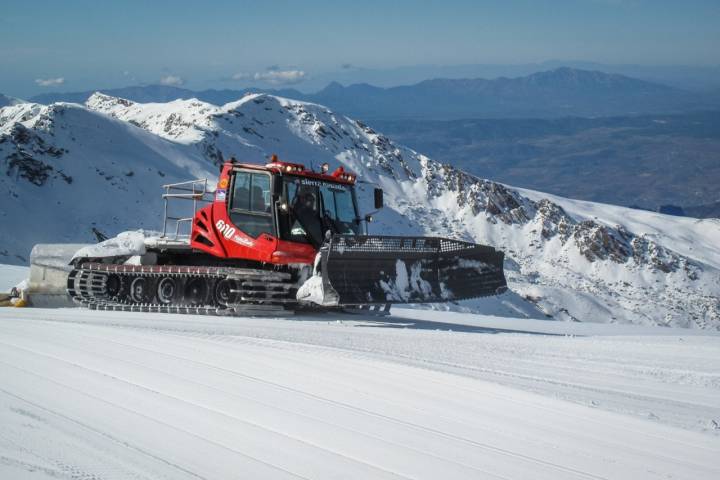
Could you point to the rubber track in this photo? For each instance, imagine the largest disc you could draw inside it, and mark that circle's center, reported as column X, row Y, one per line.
column 86, row 286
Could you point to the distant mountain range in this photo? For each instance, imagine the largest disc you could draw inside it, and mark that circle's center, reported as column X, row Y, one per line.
column 687, row 77
column 556, row 93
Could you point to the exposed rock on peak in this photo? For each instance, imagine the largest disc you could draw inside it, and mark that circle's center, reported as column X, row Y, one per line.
column 105, row 103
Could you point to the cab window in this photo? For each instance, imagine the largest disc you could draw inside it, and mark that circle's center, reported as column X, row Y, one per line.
column 251, row 203
column 302, row 223
column 339, row 209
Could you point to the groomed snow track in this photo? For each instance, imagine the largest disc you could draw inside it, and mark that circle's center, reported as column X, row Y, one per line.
column 87, row 394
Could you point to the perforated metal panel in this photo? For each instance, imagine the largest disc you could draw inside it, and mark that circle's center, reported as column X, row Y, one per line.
column 385, row 269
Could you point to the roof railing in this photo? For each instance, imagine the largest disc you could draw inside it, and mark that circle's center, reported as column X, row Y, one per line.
column 192, row 190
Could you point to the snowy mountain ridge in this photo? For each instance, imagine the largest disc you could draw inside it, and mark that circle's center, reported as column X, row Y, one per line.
column 71, row 175
column 571, row 260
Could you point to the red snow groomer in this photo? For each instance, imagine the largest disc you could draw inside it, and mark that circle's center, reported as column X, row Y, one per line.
column 280, row 236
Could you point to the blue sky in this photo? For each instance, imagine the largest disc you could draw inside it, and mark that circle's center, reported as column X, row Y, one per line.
column 77, row 45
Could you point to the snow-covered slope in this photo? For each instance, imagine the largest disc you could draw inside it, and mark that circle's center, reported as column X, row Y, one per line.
column 574, row 260
column 68, row 171
column 114, row 395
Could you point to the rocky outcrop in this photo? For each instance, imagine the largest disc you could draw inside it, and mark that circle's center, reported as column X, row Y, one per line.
column 553, row 220
column 387, row 155
column 594, row 241
column 25, row 152
column 482, row 196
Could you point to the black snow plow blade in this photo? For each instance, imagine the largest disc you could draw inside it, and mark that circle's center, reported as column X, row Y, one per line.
column 385, row 270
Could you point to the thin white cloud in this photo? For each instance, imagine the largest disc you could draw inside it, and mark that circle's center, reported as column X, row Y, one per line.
column 281, row 77
column 49, row 82
column 172, row 80
column 274, row 76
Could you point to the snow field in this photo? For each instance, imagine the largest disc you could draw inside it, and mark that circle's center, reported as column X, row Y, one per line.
column 120, row 395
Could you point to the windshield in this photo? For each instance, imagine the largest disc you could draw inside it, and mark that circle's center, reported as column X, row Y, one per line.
column 316, row 207
column 339, row 207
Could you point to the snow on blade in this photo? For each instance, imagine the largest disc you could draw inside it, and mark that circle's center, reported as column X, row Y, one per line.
column 397, row 288
column 402, row 286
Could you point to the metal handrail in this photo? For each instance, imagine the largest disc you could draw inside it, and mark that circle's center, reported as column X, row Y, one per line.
column 198, row 193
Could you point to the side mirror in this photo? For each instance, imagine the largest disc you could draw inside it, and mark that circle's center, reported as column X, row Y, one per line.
column 368, row 218
column 277, row 185
column 378, row 198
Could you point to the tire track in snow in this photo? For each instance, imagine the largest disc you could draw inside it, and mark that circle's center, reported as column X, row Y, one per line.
column 612, row 398
column 129, row 410
column 425, row 453
column 263, row 381
column 250, row 340
column 426, row 429
column 390, row 367
column 583, row 419
column 330, row 354
column 496, row 450
column 100, row 433
column 186, row 328
column 205, row 408
column 132, row 346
